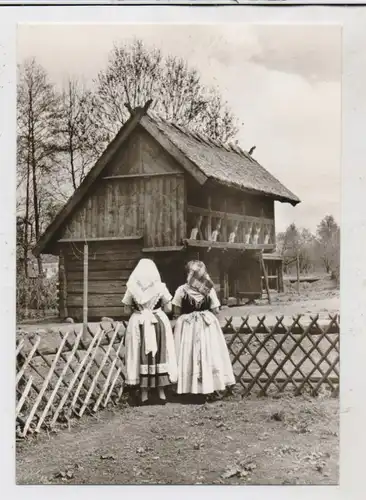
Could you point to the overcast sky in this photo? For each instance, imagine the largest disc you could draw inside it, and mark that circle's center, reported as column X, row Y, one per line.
column 283, row 82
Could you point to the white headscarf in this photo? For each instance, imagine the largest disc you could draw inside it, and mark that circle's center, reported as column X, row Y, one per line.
column 144, row 282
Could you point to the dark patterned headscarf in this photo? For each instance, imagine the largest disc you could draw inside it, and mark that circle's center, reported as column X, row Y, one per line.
column 198, row 278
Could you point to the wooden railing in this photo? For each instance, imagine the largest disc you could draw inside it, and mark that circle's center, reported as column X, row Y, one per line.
column 214, row 226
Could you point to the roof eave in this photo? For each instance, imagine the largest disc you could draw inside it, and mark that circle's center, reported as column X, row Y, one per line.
column 293, row 200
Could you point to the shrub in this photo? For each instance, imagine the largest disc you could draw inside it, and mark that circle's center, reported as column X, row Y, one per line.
column 38, row 294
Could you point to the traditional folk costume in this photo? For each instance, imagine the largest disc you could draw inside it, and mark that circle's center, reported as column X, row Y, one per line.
column 150, row 353
column 204, row 364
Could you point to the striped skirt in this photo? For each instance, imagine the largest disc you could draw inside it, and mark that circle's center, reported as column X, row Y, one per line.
column 146, row 370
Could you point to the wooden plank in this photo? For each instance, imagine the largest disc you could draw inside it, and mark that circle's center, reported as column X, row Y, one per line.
column 27, row 360
column 95, row 300
column 112, row 387
column 98, row 312
column 121, row 274
column 163, row 249
column 24, row 396
column 109, row 264
column 98, row 287
column 143, row 175
column 101, row 238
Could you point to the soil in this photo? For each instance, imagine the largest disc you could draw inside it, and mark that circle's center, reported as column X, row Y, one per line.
column 233, row 441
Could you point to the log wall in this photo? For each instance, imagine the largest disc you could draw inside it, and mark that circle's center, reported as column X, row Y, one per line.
column 110, row 264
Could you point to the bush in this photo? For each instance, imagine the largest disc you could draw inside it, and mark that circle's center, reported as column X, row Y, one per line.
column 38, row 294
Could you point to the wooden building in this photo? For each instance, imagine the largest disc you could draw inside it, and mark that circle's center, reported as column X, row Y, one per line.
column 162, row 192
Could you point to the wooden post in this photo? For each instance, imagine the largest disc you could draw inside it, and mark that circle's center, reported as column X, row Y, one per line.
column 265, row 276
column 63, row 312
column 85, row 287
column 280, row 277
column 298, row 272
column 209, row 219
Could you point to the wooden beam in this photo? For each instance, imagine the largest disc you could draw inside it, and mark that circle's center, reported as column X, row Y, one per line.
column 142, row 176
column 225, row 245
column 265, row 278
column 107, row 238
column 85, row 288
column 63, row 286
column 152, row 128
column 89, row 180
column 163, row 249
column 272, row 256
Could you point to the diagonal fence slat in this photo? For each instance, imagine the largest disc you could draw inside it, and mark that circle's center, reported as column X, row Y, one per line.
column 84, row 373
column 44, row 385
column 105, row 357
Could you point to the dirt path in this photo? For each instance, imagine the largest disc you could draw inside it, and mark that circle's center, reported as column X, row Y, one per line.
column 250, row 441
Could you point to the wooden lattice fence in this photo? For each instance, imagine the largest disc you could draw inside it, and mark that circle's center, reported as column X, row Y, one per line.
column 65, row 374
column 82, row 373
column 302, row 352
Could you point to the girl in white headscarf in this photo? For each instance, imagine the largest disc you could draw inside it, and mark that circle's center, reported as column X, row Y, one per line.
column 150, row 355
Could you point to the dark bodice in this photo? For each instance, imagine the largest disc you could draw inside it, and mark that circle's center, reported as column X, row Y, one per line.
column 189, row 305
column 158, row 305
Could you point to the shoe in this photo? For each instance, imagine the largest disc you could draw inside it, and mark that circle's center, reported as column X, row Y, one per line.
column 161, row 402
column 144, row 403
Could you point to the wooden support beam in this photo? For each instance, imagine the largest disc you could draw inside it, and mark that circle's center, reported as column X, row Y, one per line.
column 62, row 287
column 265, row 278
column 85, row 288
column 102, row 238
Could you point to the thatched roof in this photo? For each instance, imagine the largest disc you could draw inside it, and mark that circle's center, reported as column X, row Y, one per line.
column 227, row 164
column 201, row 157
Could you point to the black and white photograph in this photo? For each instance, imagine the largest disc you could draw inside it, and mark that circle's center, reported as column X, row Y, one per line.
column 178, row 220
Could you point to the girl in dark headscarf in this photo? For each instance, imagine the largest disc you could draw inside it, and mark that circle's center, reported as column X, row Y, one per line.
column 204, row 364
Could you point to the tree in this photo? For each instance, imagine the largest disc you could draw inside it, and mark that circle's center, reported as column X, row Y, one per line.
column 296, row 244
column 79, row 133
column 328, row 236
column 137, row 73
column 37, row 123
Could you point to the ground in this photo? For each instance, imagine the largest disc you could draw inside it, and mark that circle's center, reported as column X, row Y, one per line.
column 238, row 441
column 234, row 441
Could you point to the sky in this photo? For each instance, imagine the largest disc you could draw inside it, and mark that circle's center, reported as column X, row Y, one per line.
column 282, row 82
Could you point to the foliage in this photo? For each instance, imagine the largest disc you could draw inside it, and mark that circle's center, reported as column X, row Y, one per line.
column 35, row 294
column 320, row 251
column 137, row 73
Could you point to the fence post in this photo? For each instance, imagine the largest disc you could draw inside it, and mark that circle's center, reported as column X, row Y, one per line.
column 85, row 288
